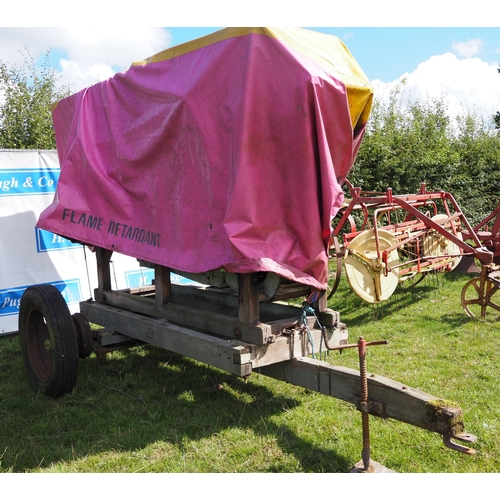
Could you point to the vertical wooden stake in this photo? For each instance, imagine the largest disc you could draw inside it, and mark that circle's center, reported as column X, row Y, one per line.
column 248, row 298
column 103, row 257
column 163, row 290
column 321, row 303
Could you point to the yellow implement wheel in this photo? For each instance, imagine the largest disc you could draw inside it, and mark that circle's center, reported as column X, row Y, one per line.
column 435, row 244
column 365, row 271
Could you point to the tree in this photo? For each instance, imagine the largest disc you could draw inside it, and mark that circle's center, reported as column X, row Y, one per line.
column 404, row 146
column 496, row 120
column 27, row 93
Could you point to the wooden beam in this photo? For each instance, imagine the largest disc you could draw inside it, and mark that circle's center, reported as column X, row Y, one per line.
column 248, row 298
column 216, row 352
column 189, row 316
column 296, row 344
column 321, row 303
column 163, row 290
column 387, row 398
column 103, row 256
column 268, row 311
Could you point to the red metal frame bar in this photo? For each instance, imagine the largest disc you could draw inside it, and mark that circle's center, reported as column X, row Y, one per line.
column 387, row 202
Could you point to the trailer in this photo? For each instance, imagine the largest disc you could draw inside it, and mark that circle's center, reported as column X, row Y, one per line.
column 221, row 160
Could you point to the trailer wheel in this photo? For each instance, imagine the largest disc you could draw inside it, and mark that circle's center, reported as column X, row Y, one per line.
column 48, row 340
column 83, row 335
column 336, row 256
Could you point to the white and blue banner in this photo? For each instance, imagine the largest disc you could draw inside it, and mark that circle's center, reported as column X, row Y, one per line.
column 29, row 255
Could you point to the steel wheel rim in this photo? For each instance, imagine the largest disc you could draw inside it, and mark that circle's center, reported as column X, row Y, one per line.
column 482, row 298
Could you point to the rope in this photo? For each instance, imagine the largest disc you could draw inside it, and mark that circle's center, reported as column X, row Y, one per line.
column 306, row 308
column 87, row 268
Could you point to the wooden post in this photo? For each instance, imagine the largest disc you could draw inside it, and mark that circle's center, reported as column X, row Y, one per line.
column 321, row 304
column 163, row 290
column 103, row 257
column 248, row 298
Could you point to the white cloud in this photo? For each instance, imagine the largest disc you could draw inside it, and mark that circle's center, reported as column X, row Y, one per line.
column 470, row 48
column 81, row 76
column 87, row 54
column 115, row 46
column 467, row 85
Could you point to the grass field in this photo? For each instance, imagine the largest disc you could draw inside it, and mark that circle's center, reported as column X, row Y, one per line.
column 148, row 410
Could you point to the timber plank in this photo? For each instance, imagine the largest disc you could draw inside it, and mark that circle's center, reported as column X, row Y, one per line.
column 269, row 311
column 212, row 312
column 192, row 317
column 216, row 352
column 296, row 344
column 388, row 398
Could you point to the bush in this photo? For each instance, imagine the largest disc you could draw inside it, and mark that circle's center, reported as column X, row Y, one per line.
column 405, row 146
column 27, row 93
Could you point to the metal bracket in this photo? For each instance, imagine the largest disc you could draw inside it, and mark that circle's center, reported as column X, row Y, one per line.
column 376, row 408
column 465, row 438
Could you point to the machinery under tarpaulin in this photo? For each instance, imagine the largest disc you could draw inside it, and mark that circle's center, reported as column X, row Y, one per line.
column 228, row 151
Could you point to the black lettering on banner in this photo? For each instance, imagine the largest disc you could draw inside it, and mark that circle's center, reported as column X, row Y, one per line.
column 115, row 228
column 82, row 219
column 134, row 234
column 94, row 222
column 128, row 233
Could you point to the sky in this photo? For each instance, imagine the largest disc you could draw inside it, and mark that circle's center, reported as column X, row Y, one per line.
column 439, row 52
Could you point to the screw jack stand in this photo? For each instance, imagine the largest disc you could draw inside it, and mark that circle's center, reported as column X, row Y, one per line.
column 366, row 464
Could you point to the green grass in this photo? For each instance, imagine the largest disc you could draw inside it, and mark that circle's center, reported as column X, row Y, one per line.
column 148, row 410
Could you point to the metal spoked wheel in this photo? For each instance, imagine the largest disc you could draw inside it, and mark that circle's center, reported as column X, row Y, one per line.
column 366, row 273
column 48, row 340
column 480, row 299
column 436, row 245
column 409, row 274
column 409, row 281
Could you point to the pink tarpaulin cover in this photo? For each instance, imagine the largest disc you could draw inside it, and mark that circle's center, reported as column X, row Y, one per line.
column 226, row 152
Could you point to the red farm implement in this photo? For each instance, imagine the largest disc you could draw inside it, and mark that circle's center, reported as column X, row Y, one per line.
column 382, row 239
column 479, row 294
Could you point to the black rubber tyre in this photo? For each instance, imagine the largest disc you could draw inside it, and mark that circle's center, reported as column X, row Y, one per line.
column 48, row 340
column 83, row 335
